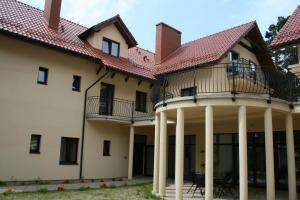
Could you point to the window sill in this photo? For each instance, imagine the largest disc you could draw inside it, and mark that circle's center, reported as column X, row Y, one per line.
column 42, row 83
column 34, row 152
column 64, row 163
column 76, row 90
column 106, row 155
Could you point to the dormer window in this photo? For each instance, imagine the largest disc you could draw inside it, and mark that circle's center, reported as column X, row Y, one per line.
column 110, row 47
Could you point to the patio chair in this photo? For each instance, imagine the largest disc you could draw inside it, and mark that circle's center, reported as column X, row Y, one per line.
column 226, row 186
column 193, row 176
column 200, row 184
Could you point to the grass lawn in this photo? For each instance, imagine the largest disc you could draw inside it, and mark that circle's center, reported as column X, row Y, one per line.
column 125, row 192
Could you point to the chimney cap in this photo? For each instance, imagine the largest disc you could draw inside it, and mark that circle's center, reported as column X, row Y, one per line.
column 164, row 24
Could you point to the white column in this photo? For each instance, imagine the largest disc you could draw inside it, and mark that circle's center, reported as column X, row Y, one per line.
column 269, row 154
column 179, row 159
column 209, row 174
column 130, row 159
column 243, row 153
column 156, row 155
column 291, row 156
column 163, row 153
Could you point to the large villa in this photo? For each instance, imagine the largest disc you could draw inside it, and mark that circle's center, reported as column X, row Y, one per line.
column 88, row 103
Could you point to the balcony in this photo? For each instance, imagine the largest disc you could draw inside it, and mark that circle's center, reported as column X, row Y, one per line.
column 228, row 79
column 117, row 109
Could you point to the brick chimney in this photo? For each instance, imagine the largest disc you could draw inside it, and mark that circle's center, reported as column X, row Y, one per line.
column 52, row 13
column 168, row 39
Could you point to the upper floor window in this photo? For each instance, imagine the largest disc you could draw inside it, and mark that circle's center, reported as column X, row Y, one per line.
column 234, row 56
column 110, row 47
column 188, row 91
column 35, row 143
column 76, row 83
column 68, row 150
column 140, row 101
column 42, row 76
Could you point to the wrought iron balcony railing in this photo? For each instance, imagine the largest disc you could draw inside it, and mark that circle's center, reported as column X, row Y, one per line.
column 118, row 109
column 227, row 79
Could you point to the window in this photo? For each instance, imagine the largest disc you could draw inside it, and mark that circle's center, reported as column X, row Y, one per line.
column 76, row 83
column 106, row 148
column 140, row 101
column 35, row 143
column 110, row 47
column 68, row 151
column 42, row 76
column 234, row 56
column 188, row 91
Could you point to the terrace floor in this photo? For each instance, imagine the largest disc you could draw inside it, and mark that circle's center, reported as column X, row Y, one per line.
column 254, row 194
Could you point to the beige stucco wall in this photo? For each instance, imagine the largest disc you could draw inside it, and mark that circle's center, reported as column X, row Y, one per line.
column 54, row 111
column 110, row 32
column 215, row 78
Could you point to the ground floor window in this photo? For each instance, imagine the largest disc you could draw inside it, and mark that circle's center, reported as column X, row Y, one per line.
column 35, row 143
column 189, row 156
column 226, row 158
column 68, row 151
column 106, row 148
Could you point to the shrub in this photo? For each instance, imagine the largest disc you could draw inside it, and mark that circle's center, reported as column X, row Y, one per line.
column 82, row 188
column 112, row 186
column 43, row 190
column 8, row 190
column 103, row 185
column 60, row 187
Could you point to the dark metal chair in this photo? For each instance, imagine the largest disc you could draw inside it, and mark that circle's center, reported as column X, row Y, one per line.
column 225, row 186
column 193, row 176
column 200, row 184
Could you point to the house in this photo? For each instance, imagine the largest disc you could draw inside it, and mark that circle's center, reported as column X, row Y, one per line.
column 88, row 103
column 288, row 39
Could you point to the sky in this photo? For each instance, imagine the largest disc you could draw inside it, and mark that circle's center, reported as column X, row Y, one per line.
column 194, row 18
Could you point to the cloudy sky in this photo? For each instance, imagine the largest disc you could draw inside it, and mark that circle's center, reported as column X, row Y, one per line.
column 194, row 18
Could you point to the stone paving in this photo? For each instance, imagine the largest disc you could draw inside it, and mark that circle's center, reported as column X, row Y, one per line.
column 73, row 186
column 254, row 194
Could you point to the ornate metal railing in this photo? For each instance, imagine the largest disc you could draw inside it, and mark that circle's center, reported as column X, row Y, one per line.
column 235, row 78
column 118, row 109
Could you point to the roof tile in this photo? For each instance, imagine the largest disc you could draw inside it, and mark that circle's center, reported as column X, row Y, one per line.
column 290, row 32
column 24, row 20
column 204, row 50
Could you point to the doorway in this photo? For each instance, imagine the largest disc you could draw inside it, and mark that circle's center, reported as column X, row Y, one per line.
column 139, row 151
column 106, row 99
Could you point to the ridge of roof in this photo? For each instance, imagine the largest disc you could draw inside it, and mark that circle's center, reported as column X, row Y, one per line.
column 26, row 22
column 213, row 34
column 120, row 25
column 38, row 9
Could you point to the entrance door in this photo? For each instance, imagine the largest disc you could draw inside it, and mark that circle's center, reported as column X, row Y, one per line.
column 106, row 99
column 140, row 142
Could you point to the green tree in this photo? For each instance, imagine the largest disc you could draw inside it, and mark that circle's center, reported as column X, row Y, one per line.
column 281, row 57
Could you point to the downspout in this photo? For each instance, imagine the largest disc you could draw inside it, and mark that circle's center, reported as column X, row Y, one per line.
column 83, row 121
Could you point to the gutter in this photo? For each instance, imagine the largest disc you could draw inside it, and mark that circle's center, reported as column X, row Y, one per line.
column 83, row 121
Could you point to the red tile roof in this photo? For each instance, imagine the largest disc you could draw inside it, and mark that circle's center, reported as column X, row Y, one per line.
column 290, row 32
column 26, row 21
column 142, row 57
column 204, row 50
